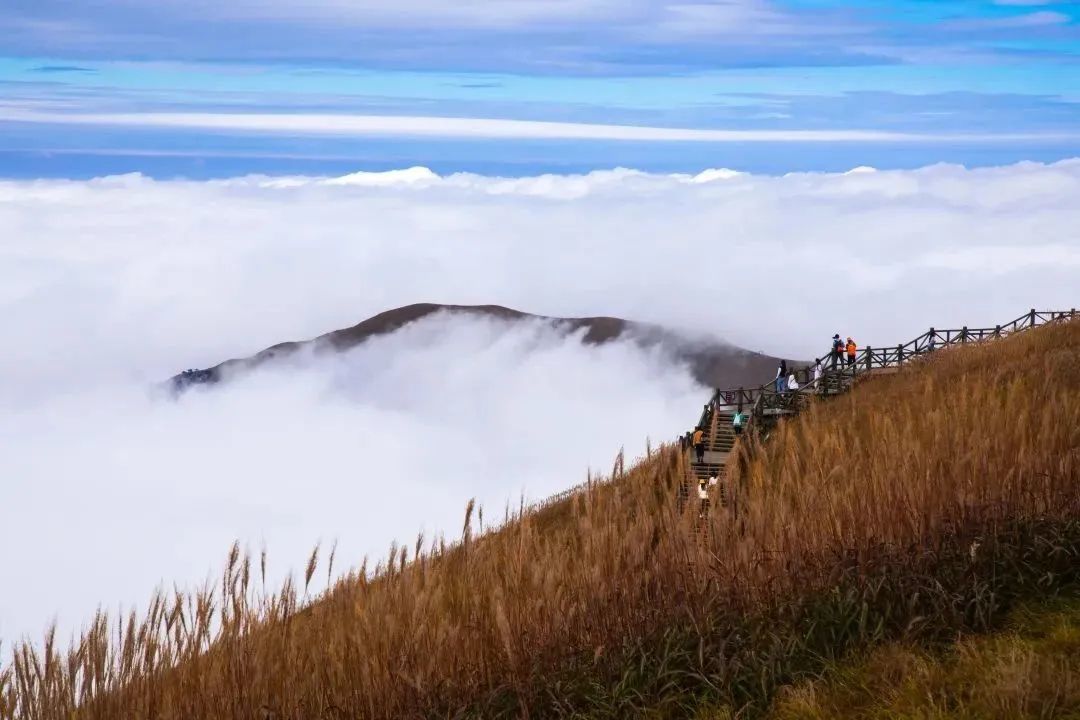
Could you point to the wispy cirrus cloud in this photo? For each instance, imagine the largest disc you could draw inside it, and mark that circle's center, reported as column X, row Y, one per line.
column 482, row 14
column 1028, row 3
column 667, row 68
column 560, row 36
column 1041, row 18
column 726, row 16
column 493, row 128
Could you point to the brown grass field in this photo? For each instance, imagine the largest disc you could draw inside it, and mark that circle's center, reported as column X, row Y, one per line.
column 1028, row 671
column 918, row 506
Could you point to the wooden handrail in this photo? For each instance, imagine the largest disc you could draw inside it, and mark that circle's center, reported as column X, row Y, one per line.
column 867, row 359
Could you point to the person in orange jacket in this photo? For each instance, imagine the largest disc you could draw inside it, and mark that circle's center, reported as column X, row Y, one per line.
column 851, row 349
column 699, row 444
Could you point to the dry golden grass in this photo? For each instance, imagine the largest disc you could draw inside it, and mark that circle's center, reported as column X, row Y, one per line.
column 921, row 504
column 1030, row 672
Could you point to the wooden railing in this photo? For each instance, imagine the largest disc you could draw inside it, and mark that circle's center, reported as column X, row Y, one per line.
column 757, row 400
column 838, row 370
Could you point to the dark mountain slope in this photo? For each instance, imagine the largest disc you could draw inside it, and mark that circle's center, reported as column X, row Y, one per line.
column 713, row 364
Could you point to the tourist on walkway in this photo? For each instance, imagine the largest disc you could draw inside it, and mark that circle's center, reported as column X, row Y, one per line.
column 792, row 383
column 837, row 350
column 737, row 421
column 781, row 377
column 720, row 481
column 818, row 372
column 851, row 349
column 699, row 444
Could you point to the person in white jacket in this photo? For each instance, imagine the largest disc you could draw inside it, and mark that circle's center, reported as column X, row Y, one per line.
column 792, row 383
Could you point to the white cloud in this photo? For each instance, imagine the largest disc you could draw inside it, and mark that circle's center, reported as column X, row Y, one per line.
column 455, row 127
column 715, row 17
column 740, row 21
column 111, row 491
column 1025, row 3
column 407, row 13
column 110, row 284
column 1032, row 19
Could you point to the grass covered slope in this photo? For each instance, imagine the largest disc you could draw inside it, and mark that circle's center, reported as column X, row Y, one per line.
column 1031, row 670
column 920, row 505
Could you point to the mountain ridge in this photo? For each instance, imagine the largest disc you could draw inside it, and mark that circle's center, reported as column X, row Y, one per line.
column 712, row 363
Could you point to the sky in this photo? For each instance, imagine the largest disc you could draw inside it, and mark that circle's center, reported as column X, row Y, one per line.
column 109, row 286
column 205, row 89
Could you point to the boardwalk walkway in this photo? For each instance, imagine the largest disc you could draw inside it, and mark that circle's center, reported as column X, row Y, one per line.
column 764, row 405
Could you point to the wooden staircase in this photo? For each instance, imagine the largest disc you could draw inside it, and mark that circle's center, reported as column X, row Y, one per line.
column 719, row 441
column 764, row 406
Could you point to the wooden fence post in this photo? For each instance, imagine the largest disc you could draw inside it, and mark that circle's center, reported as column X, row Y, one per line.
column 869, row 356
column 1031, row 318
column 963, row 334
column 899, row 355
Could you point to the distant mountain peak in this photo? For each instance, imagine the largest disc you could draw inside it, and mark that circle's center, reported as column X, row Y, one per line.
column 712, row 363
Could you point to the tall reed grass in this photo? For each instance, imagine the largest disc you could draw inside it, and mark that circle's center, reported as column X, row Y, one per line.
column 919, row 504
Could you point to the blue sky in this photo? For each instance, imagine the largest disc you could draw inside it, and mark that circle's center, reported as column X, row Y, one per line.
column 194, row 87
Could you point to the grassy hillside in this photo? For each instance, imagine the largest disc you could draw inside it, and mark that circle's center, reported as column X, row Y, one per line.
column 923, row 504
column 1030, row 671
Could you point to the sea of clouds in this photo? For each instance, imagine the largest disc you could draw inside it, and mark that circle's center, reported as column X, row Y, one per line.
column 111, row 285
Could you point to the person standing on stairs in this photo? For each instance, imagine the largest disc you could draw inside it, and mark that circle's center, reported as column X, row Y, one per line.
column 781, row 377
column 851, row 350
column 792, row 383
column 818, row 371
column 737, row 421
column 699, row 444
column 837, row 350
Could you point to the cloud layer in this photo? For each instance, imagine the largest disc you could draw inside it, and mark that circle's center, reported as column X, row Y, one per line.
column 555, row 36
column 111, row 284
column 111, row 490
